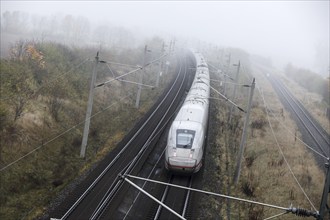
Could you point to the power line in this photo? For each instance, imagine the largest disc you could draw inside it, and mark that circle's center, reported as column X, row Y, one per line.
column 237, row 84
column 120, row 64
column 281, row 151
column 111, row 80
column 287, row 129
column 275, row 216
column 297, row 211
column 48, row 82
column 226, row 75
column 267, row 109
column 58, row 136
column 130, row 72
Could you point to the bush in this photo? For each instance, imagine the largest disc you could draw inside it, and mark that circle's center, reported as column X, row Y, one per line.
column 311, row 81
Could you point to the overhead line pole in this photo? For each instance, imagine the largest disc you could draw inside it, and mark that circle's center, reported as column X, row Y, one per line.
column 160, row 65
column 89, row 110
column 232, row 110
column 246, row 124
column 326, row 190
column 227, row 73
column 137, row 103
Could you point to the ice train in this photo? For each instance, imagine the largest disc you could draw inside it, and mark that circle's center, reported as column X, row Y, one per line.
column 187, row 134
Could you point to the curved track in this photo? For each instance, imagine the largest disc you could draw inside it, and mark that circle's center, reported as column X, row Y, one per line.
column 92, row 197
column 313, row 134
column 132, row 204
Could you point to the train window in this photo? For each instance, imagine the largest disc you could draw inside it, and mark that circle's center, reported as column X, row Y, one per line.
column 184, row 138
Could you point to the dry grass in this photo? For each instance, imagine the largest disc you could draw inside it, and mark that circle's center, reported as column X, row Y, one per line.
column 265, row 176
column 59, row 160
column 276, row 184
column 312, row 101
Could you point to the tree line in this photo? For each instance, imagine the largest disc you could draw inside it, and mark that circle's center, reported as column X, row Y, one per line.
column 44, row 92
column 310, row 81
column 66, row 29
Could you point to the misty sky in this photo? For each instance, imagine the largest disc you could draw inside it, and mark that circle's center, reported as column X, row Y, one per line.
column 284, row 30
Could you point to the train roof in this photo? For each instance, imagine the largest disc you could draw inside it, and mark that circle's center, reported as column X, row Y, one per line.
column 190, row 125
column 191, row 112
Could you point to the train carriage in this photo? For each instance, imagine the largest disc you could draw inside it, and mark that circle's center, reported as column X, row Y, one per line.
column 185, row 144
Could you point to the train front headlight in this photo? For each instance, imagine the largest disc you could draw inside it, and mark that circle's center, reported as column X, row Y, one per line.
column 191, row 153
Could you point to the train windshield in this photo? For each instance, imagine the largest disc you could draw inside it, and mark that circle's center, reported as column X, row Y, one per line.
column 184, row 138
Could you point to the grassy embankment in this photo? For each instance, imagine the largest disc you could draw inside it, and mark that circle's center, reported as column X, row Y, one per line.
column 44, row 91
column 265, row 177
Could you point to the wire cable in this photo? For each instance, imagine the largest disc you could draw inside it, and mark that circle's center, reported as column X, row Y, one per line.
column 267, row 109
column 48, row 82
column 113, row 75
column 58, row 136
column 275, row 216
column 237, row 84
column 119, row 64
column 221, row 71
column 278, row 145
column 281, row 151
column 208, row 193
column 287, row 129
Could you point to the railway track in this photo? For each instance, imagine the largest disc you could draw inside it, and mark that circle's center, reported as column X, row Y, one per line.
column 313, row 134
column 133, row 204
column 175, row 198
column 91, row 199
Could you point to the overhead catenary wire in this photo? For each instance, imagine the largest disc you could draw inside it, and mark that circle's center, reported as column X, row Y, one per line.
column 297, row 211
column 289, row 209
column 51, row 81
column 309, row 147
column 278, row 145
column 221, row 71
column 237, row 84
column 226, row 99
column 118, row 77
column 110, row 70
column 288, row 130
column 66, row 131
column 277, row 215
column 154, row 198
column 160, row 157
column 130, row 72
column 118, row 64
column 281, row 152
column 122, row 80
column 58, row 136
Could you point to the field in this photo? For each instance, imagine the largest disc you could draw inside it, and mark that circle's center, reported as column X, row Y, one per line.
column 44, row 93
column 272, row 149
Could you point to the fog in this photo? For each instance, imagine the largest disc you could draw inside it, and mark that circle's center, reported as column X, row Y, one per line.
column 294, row 31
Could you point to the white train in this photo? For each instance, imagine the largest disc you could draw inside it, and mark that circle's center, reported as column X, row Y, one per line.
column 185, row 143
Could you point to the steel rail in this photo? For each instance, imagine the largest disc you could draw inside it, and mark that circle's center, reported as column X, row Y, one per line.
column 165, row 193
column 115, row 187
column 154, row 167
column 186, row 202
column 153, row 198
column 78, row 201
column 208, row 193
column 300, row 118
column 145, row 182
column 299, row 105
